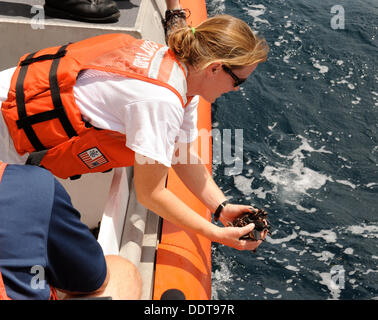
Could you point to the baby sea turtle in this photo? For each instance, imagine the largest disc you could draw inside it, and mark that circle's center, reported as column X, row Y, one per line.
column 256, row 216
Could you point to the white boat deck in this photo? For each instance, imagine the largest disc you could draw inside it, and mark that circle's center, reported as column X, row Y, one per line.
column 127, row 228
column 25, row 28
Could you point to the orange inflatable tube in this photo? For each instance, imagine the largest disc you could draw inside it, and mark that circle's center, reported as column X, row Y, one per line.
column 183, row 261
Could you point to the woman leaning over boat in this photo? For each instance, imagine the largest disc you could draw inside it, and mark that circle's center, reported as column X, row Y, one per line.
column 114, row 101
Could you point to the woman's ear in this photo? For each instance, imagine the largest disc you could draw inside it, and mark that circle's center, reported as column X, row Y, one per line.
column 214, row 68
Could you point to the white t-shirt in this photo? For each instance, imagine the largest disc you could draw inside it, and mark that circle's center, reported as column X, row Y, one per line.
column 8, row 153
column 151, row 116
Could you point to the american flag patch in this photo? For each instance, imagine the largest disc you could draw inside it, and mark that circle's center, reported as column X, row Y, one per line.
column 93, row 158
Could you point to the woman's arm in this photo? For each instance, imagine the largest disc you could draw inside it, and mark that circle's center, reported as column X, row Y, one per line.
column 149, row 180
column 198, row 180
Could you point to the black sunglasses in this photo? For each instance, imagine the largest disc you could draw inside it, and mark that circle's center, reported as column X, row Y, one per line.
column 237, row 80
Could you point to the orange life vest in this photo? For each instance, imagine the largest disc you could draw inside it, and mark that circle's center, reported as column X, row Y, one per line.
column 41, row 113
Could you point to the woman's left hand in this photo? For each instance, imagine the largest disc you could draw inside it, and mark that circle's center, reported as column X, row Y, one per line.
column 231, row 211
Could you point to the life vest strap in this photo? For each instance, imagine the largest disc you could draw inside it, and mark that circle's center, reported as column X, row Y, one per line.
column 39, row 117
column 20, row 100
column 30, row 60
column 55, row 94
column 24, row 121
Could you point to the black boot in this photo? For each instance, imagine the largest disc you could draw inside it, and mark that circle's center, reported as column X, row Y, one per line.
column 97, row 11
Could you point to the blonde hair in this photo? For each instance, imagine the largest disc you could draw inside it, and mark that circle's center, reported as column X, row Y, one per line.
column 223, row 38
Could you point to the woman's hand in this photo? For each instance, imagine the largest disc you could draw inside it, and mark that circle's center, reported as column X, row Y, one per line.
column 229, row 236
column 230, row 212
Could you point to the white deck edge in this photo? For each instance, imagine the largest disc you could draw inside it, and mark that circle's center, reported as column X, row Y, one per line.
column 112, row 221
column 130, row 230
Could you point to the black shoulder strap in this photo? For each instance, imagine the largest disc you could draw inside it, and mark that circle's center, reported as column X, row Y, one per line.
column 24, row 121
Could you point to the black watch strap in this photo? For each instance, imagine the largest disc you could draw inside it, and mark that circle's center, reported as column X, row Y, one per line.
column 219, row 210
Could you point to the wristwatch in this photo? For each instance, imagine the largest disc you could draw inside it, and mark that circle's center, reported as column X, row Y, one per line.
column 219, row 210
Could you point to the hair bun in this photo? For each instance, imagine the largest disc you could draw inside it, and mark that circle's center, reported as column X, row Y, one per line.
column 221, row 38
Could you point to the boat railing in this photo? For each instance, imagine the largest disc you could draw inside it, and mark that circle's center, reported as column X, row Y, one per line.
column 128, row 229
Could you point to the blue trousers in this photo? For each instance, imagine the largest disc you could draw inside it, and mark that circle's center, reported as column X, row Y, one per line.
column 43, row 243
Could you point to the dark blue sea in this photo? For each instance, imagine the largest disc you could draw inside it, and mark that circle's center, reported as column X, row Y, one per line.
column 309, row 156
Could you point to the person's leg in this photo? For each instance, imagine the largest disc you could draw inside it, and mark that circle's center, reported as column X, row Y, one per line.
column 124, row 281
column 77, row 265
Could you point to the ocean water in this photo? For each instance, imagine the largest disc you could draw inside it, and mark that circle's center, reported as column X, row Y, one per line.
column 310, row 149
